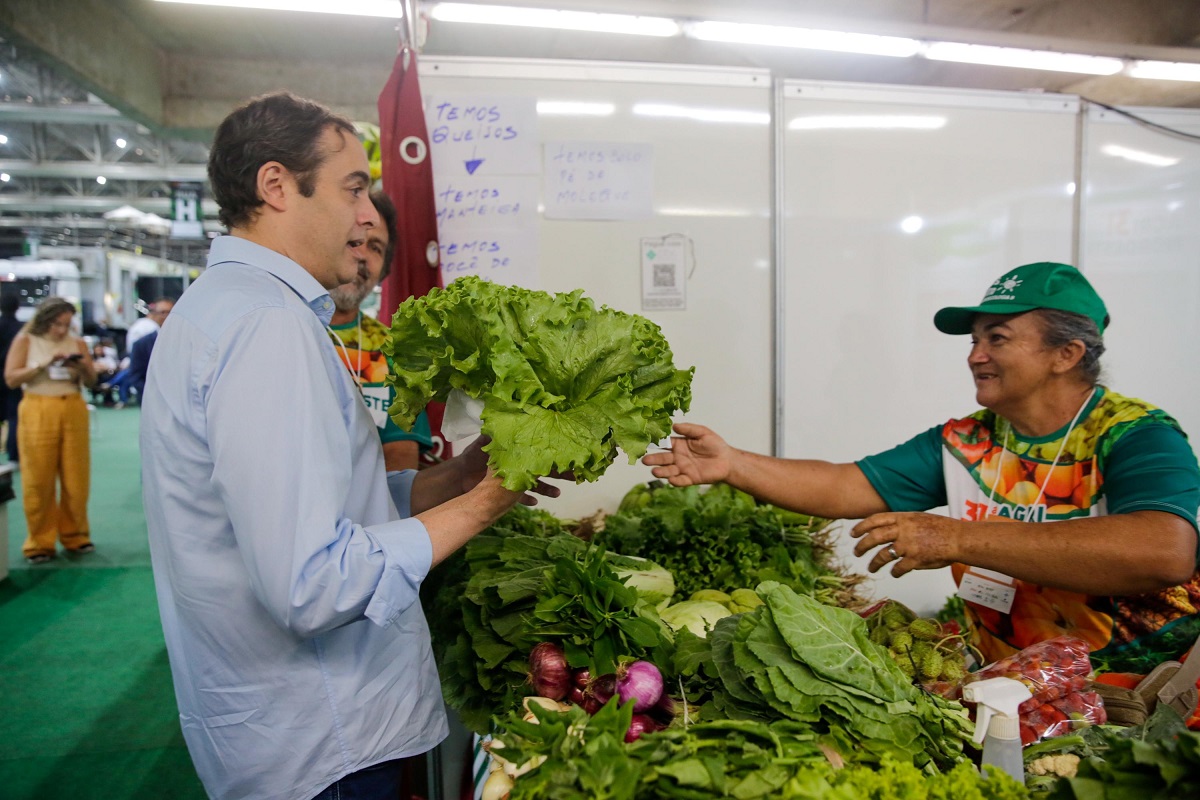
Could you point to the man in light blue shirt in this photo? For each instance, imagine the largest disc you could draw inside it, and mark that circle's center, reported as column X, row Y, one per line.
column 286, row 561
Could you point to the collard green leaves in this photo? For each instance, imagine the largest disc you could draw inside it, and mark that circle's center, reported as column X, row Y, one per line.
column 563, row 384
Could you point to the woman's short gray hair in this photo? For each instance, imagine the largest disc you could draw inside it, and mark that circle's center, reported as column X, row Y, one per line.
column 1060, row 328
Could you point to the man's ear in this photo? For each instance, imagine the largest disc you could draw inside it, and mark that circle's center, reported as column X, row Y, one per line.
column 275, row 184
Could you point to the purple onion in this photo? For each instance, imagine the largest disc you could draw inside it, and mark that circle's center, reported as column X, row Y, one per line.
column 663, row 711
column 548, row 671
column 642, row 683
column 641, row 723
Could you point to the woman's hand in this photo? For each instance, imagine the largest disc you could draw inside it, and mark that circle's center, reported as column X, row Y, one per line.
column 697, row 455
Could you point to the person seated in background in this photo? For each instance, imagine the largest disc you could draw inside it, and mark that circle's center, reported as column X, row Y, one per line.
column 1115, row 475
column 104, row 359
column 359, row 340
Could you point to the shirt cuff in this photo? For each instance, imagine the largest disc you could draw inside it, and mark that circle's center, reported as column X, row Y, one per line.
column 400, row 485
column 408, row 557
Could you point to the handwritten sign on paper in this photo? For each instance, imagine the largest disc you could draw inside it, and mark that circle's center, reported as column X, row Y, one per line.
column 598, row 180
column 508, row 257
column 505, row 203
column 478, row 135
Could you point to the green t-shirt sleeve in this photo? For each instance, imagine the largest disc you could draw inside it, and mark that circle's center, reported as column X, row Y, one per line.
column 420, row 432
column 1153, row 468
column 909, row 477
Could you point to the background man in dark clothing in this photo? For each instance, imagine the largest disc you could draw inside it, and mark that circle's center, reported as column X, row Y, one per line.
column 10, row 326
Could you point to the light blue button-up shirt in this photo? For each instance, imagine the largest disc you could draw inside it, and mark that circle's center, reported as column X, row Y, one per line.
column 287, row 580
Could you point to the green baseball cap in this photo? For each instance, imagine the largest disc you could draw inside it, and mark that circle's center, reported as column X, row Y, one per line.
column 1041, row 285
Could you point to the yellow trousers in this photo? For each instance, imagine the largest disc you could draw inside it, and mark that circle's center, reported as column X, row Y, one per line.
column 52, row 437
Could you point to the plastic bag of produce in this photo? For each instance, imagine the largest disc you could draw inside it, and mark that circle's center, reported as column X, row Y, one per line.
column 1062, row 715
column 1051, row 669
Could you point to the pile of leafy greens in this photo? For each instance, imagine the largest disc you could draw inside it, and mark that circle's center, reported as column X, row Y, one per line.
column 585, row 758
column 563, row 384
column 508, row 591
column 1158, row 760
column 795, row 658
column 721, row 538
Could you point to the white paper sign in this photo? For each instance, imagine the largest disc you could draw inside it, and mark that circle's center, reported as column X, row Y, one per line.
column 508, row 257
column 598, row 180
column 664, row 275
column 479, row 135
column 987, row 593
column 472, row 203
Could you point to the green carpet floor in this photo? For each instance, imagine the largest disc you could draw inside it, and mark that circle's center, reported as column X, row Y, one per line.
column 88, row 710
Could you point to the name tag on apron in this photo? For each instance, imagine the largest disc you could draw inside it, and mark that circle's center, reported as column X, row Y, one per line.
column 57, row 373
column 988, row 589
column 376, row 400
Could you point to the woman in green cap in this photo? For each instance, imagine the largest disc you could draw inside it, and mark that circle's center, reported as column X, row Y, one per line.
column 1050, row 444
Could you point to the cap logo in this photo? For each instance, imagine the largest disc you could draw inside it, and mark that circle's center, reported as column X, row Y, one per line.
column 1002, row 289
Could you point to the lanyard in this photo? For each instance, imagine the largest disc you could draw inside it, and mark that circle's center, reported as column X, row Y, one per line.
column 1057, row 456
column 356, row 371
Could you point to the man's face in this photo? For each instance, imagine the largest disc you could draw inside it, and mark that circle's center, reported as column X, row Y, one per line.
column 330, row 227
column 349, row 296
column 160, row 310
column 1009, row 359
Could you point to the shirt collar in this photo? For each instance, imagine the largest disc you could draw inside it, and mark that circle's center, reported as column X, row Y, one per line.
column 297, row 278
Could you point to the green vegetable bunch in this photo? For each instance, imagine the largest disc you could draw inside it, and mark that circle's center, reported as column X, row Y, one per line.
column 509, row 592
column 795, row 658
column 563, row 384
column 1159, row 760
column 583, row 758
column 721, row 539
column 921, row 647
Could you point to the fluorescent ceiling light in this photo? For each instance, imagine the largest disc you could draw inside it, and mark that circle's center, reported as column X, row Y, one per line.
column 1165, row 70
column 551, row 18
column 575, row 108
column 363, row 8
column 1026, row 59
column 1139, row 156
column 702, row 114
column 912, row 224
column 806, row 38
column 867, row 122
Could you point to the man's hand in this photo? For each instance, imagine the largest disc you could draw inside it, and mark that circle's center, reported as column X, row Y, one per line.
column 697, row 456
column 911, row 540
column 473, row 466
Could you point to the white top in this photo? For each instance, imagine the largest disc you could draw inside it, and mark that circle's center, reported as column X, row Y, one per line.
column 142, row 327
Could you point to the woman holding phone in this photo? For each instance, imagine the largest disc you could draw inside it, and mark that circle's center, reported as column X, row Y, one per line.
column 51, row 365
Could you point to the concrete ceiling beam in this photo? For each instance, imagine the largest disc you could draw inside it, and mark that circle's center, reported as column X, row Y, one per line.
column 94, row 44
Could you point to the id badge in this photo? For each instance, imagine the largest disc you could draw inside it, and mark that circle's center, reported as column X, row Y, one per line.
column 57, row 373
column 376, row 400
column 988, row 592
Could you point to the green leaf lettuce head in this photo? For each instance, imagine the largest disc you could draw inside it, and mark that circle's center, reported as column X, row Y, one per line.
column 563, row 384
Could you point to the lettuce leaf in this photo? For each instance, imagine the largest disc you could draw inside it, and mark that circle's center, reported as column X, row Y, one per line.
column 563, row 384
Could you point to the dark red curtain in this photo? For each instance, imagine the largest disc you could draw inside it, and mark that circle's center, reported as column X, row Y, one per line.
column 408, row 181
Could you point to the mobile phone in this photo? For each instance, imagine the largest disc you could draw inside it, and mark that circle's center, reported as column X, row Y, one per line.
column 68, row 359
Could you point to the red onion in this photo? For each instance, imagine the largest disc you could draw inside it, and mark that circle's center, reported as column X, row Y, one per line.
column 599, row 692
column 576, row 696
column 581, row 677
column 640, row 724
column 663, row 711
column 548, row 671
column 642, row 683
